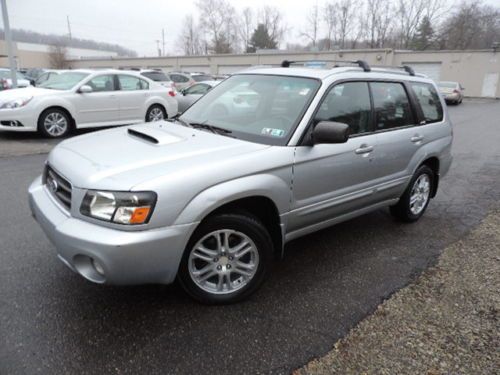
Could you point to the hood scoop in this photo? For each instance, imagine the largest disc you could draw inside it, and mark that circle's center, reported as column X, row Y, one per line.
column 153, row 135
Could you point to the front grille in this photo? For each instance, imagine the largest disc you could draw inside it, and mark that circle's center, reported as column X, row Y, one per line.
column 58, row 186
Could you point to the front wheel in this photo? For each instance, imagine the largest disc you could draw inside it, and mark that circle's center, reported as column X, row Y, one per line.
column 54, row 123
column 226, row 259
column 156, row 113
column 415, row 199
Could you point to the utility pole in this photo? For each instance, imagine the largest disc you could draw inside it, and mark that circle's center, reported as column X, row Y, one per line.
column 158, row 47
column 163, row 41
column 69, row 28
column 8, row 39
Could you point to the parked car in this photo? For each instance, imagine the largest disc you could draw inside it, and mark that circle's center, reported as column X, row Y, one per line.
column 158, row 76
column 180, row 80
column 210, row 198
column 191, row 94
column 45, row 76
column 6, row 80
column 84, row 99
column 451, row 91
column 200, row 77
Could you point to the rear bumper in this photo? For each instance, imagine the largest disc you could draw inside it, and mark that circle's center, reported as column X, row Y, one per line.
column 125, row 257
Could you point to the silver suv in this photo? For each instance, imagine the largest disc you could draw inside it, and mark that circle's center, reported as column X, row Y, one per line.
column 265, row 157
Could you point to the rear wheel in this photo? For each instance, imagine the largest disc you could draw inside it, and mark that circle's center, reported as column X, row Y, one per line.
column 226, row 259
column 54, row 123
column 415, row 199
column 156, row 113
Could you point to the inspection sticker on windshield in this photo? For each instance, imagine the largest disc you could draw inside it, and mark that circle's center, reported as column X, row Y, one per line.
column 273, row 132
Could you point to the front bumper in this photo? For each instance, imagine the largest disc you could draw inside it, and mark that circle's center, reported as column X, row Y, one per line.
column 23, row 116
column 125, row 257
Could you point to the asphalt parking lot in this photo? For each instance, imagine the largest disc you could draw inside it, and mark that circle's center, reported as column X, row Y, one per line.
column 54, row 322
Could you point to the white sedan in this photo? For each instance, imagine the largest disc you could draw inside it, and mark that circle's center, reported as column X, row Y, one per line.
column 84, row 99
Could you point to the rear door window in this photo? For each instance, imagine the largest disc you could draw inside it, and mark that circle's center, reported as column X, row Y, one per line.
column 428, row 98
column 130, row 83
column 392, row 106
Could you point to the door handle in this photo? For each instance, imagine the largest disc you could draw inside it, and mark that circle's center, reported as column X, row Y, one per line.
column 364, row 149
column 417, row 138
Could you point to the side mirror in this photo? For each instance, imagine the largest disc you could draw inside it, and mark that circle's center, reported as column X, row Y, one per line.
column 32, row 82
column 183, row 92
column 85, row 89
column 330, row 132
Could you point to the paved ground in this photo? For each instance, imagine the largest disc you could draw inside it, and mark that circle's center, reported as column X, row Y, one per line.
column 448, row 322
column 52, row 321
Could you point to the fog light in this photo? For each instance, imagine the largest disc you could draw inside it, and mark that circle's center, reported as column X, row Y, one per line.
column 97, row 266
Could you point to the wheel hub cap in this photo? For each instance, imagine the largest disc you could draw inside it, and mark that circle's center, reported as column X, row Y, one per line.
column 420, row 194
column 223, row 261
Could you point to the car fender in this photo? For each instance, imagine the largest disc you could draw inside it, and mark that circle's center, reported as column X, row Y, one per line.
column 263, row 185
column 55, row 101
column 169, row 105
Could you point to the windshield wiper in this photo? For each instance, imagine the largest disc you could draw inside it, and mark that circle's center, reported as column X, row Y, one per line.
column 212, row 128
column 201, row 125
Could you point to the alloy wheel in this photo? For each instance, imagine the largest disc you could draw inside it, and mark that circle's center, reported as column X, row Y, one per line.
column 223, row 261
column 420, row 193
column 55, row 124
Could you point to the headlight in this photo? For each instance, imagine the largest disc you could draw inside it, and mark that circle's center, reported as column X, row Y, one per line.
column 119, row 207
column 16, row 103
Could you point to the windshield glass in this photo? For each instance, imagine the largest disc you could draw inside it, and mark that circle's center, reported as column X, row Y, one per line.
column 255, row 107
column 63, row 81
column 447, row 85
column 156, row 76
column 6, row 74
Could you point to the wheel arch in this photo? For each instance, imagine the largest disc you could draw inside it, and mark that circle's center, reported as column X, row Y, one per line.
column 434, row 164
column 61, row 108
column 264, row 196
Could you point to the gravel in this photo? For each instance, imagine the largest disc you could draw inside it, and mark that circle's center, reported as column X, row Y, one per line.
column 447, row 322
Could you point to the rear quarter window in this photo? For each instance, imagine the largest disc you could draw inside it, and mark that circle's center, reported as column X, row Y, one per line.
column 429, row 102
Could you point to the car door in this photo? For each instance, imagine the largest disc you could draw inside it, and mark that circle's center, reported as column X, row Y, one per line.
column 132, row 95
column 99, row 107
column 331, row 180
column 191, row 95
column 398, row 136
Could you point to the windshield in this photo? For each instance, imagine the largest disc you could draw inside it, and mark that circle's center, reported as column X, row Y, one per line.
column 258, row 108
column 6, row 74
column 63, row 81
column 156, row 76
column 447, row 85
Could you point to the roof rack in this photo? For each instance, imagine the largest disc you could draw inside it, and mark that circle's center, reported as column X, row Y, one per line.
column 361, row 63
column 408, row 69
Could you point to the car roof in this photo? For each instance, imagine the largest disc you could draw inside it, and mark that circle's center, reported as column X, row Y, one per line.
column 322, row 74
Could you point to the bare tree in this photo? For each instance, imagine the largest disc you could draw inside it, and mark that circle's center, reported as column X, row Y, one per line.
column 473, row 25
column 189, row 41
column 58, row 56
column 218, row 22
column 246, row 28
column 273, row 20
column 411, row 13
column 330, row 20
column 378, row 21
column 346, row 19
column 312, row 28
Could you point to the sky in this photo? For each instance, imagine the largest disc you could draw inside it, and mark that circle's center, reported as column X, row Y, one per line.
column 136, row 24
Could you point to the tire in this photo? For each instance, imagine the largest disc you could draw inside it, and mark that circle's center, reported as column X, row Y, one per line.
column 420, row 188
column 221, row 267
column 156, row 113
column 54, row 123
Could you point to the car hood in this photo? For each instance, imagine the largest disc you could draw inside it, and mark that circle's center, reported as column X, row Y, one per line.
column 25, row 92
column 121, row 158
